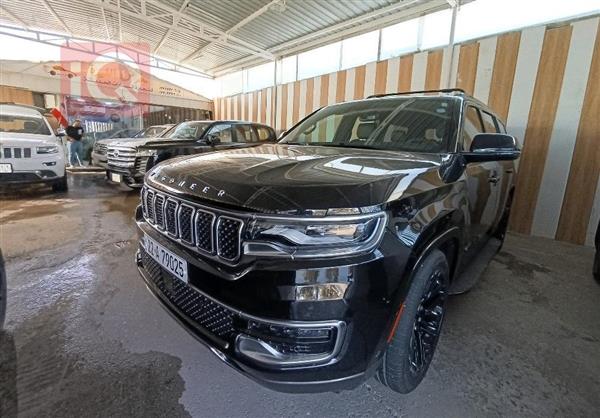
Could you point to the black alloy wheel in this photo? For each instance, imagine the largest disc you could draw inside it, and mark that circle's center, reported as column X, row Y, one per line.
column 428, row 324
column 421, row 315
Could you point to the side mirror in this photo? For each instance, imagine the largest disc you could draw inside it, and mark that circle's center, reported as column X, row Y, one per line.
column 492, row 147
column 60, row 133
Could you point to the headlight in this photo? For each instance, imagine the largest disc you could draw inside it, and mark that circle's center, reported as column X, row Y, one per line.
column 146, row 153
column 50, row 149
column 309, row 237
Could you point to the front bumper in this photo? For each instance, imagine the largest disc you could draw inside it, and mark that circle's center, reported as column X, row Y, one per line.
column 366, row 313
column 27, row 177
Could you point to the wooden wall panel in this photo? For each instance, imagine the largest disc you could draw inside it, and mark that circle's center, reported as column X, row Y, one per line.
column 16, row 95
column 310, row 86
column 381, row 77
column 434, row 69
column 507, row 51
column 405, row 73
column 296, row 106
column 467, row 67
column 341, row 86
column 359, row 82
column 585, row 166
column 539, row 126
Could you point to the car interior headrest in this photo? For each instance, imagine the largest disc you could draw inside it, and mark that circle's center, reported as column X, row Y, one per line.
column 364, row 130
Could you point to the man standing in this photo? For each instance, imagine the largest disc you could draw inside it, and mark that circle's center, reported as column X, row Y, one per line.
column 74, row 134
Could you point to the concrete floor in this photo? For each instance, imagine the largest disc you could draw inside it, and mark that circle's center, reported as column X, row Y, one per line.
column 85, row 338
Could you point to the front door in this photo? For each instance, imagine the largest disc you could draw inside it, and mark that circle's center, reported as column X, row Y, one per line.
column 483, row 183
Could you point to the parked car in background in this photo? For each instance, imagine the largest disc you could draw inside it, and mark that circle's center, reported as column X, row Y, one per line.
column 318, row 262
column 30, row 152
column 101, row 146
column 128, row 162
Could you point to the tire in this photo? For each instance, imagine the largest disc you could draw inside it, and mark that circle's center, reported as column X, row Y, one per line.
column 61, row 185
column 401, row 369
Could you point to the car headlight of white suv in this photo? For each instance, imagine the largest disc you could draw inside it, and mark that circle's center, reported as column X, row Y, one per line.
column 47, row 149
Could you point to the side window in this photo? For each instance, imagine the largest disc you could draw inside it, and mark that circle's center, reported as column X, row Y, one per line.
column 264, row 134
column 324, row 131
column 223, row 132
column 471, row 127
column 245, row 133
column 488, row 122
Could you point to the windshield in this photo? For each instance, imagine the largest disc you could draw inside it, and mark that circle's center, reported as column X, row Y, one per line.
column 412, row 124
column 151, row 132
column 188, row 130
column 23, row 125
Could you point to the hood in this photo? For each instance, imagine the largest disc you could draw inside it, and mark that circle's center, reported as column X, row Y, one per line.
column 127, row 142
column 27, row 140
column 291, row 178
column 162, row 143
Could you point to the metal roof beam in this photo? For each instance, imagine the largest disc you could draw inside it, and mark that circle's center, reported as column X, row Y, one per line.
column 221, row 36
column 197, row 53
column 6, row 12
column 196, row 34
column 334, row 33
column 56, row 16
column 175, row 22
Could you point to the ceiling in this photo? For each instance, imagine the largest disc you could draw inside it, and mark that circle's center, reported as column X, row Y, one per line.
column 214, row 36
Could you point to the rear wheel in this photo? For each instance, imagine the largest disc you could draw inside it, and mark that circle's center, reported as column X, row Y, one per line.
column 411, row 350
column 61, row 185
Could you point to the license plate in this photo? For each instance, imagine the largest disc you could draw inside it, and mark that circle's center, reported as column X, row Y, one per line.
column 115, row 177
column 177, row 266
column 5, row 168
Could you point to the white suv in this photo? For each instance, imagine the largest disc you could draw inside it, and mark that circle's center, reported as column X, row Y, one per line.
column 30, row 152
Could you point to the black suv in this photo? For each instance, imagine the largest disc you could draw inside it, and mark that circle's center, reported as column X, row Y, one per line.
column 327, row 258
column 129, row 161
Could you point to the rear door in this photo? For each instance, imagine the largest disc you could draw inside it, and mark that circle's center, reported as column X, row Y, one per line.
column 482, row 183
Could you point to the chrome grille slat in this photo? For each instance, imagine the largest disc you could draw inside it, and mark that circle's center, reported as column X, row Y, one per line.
column 208, row 232
column 150, row 205
column 159, row 211
column 171, row 217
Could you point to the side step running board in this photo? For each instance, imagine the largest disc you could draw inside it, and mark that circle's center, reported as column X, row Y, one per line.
column 469, row 277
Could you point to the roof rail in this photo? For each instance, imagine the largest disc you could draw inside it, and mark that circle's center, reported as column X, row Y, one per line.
column 461, row 91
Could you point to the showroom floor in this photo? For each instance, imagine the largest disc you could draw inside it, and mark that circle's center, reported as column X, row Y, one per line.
column 85, row 338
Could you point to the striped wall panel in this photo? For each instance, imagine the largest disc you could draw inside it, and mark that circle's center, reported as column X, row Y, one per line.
column 544, row 81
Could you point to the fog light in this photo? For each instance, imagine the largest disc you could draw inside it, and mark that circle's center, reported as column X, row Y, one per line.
column 281, row 345
column 324, row 291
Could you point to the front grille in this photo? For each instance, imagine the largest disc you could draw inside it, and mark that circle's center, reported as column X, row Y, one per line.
column 100, row 149
column 186, row 216
column 140, row 165
column 215, row 318
column 171, row 217
column 159, row 214
column 121, row 157
column 206, row 229
column 228, row 241
column 15, row 153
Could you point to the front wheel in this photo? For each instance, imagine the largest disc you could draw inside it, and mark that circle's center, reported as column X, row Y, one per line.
column 61, row 185
column 413, row 344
